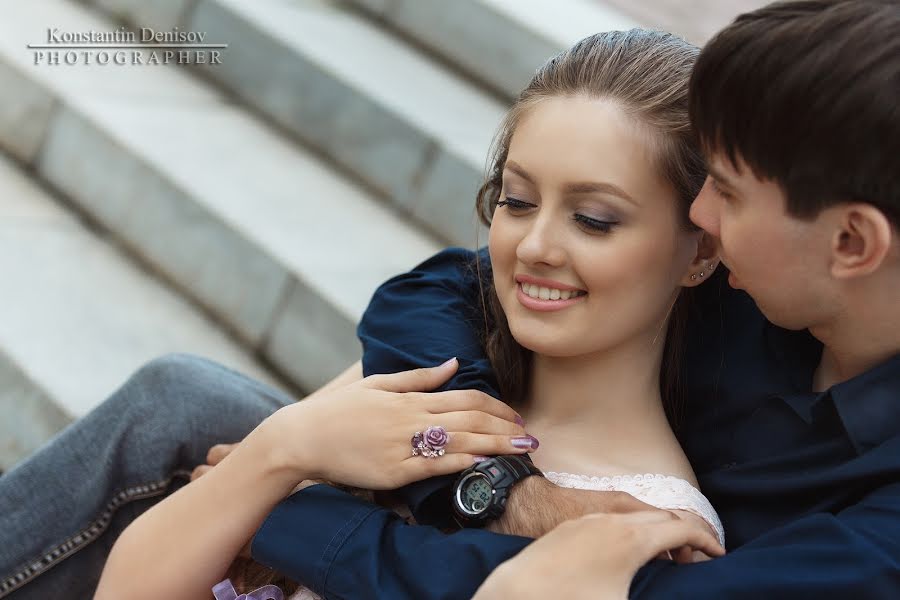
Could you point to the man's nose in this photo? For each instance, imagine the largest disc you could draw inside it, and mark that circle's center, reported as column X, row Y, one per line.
column 705, row 209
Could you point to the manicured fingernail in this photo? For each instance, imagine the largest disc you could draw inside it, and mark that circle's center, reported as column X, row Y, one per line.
column 478, row 459
column 520, row 421
column 448, row 362
column 529, row 441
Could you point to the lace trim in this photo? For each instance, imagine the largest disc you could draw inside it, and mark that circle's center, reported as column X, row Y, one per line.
column 662, row 491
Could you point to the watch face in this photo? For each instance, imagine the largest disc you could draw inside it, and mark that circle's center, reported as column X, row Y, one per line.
column 475, row 494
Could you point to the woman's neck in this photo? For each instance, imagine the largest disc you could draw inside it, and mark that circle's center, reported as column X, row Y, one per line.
column 598, row 413
column 591, row 391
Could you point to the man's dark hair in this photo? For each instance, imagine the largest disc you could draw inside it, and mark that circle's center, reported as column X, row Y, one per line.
column 807, row 93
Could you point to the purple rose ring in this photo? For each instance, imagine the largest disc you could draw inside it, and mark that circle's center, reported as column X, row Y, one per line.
column 431, row 443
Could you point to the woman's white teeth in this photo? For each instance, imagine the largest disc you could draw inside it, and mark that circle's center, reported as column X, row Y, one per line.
column 542, row 293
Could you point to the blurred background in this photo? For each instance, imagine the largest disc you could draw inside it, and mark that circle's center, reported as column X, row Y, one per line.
column 247, row 210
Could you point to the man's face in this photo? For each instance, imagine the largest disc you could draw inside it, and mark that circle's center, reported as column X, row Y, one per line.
column 780, row 260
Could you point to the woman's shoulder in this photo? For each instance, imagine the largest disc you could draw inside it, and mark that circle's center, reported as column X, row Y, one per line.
column 662, row 491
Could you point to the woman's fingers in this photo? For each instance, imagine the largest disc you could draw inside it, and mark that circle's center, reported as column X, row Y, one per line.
column 417, row 468
column 199, row 471
column 414, row 380
column 474, row 421
column 218, row 452
column 489, row 445
column 462, row 400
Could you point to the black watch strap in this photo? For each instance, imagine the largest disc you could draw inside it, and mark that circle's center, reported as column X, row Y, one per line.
column 521, row 466
column 503, row 473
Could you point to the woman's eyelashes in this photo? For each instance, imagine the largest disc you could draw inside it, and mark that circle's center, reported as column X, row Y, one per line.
column 514, row 204
column 594, row 225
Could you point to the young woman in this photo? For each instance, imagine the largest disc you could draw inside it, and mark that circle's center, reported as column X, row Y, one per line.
column 591, row 255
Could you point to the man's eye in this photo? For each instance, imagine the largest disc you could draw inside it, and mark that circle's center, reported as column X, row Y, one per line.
column 513, row 204
column 719, row 190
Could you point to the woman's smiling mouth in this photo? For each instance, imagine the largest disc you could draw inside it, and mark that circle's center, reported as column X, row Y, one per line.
column 544, row 299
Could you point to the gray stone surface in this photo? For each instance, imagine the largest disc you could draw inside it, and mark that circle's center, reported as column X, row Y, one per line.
column 319, row 332
column 79, row 318
column 160, row 15
column 30, row 416
column 499, row 42
column 184, row 239
column 221, row 205
column 24, row 113
column 371, row 103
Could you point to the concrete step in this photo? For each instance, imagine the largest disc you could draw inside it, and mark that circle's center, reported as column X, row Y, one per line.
column 79, row 318
column 498, row 42
column 266, row 237
column 696, row 21
column 410, row 129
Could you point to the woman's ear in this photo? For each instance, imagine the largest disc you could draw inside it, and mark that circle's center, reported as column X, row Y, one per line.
column 861, row 241
column 705, row 261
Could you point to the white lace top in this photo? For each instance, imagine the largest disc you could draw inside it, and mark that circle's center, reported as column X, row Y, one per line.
column 662, row 491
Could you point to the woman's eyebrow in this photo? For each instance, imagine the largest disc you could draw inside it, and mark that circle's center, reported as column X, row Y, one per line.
column 591, row 187
column 515, row 168
column 587, row 187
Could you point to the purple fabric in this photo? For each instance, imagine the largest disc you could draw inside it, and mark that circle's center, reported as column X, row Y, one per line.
column 224, row 590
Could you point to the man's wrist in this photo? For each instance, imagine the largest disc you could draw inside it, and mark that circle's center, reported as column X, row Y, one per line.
column 526, row 509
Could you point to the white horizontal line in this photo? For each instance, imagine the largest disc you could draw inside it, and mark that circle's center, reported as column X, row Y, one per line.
column 70, row 46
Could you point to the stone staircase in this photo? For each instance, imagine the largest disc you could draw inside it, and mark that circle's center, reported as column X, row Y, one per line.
column 244, row 211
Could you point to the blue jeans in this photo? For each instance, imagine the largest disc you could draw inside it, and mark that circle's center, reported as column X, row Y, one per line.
column 62, row 508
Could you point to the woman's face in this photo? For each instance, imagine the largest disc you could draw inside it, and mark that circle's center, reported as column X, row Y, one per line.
column 587, row 210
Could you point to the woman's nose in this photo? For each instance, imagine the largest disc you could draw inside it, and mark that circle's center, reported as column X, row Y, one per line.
column 541, row 243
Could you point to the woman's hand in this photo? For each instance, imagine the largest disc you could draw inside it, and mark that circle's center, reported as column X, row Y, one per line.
column 595, row 557
column 360, row 434
column 213, row 457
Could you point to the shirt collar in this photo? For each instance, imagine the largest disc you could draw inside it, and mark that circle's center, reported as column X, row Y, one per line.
column 869, row 405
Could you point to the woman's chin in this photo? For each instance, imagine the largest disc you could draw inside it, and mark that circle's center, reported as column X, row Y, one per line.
column 545, row 343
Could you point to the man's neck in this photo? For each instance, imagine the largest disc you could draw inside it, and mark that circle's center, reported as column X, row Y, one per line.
column 857, row 341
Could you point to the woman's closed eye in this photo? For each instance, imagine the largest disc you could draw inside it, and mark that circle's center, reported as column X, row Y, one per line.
column 595, row 224
column 591, row 224
column 514, row 204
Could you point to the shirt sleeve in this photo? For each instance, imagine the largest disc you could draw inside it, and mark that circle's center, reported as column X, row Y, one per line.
column 421, row 319
column 352, row 549
column 854, row 553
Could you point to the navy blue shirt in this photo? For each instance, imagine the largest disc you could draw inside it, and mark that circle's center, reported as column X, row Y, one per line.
column 807, row 484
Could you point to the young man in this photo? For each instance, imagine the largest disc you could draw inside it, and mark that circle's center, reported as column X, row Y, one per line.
column 793, row 424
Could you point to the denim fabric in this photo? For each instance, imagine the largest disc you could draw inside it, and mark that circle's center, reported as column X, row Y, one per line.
column 62, row 508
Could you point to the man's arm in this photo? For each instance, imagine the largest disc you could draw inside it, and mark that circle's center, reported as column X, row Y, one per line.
column 420, row 319
column 352, row 549
column 852, row 554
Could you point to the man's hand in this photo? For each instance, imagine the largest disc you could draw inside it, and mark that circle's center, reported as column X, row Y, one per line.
column 595, row 557
column 536, row 506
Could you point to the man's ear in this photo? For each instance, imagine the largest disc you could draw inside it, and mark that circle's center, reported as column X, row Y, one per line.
column 705, row 260
column 860, row 242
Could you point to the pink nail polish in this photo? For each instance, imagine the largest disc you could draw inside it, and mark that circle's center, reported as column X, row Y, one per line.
column 478, row 459
column 448, row 362
column 528, row 442
column 520, row 421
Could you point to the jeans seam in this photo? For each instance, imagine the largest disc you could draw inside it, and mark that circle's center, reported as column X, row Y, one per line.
column 29, row 570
